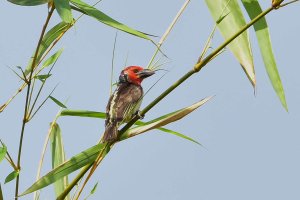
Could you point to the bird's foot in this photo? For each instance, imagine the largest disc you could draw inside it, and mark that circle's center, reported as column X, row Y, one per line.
column 139, row 114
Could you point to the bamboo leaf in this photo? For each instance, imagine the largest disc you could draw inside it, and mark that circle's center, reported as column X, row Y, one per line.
column 179, row 135
column 100, row 16
column 64, row 10
column 11, row 176
column 48, row 39
column 263, row 37
column 102, row 115
column 28, row 2
column 92, row 191
column 140, row 123
column 84, row 158
column 42, row 77
column 164, row 120
column 83, row 113
column 94, row 188
column 57, row 102
column 21, row 77
column 52, row 59
column 3, row 151
column 58, row 158
column 231, row 24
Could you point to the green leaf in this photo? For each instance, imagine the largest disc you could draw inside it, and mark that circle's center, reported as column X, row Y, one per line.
column 58, row 157
column 48, row 39
column 83, row 113
column 92, row 191
column 57, row 102
column 94, row 188
column 3, row 151
column 263, row 36
column 64, row 10
column 100, row 16
column 140, row 123
column 21, row 77
column 102, row 115
column 231, row 24
column 11, row 176
column 52, row 59
column 82, row 159
column 164, row 120
column 179, row 135
column 42, row 77
column 28, row 2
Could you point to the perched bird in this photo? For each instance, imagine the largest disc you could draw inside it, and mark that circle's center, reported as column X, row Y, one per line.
column 125, row 101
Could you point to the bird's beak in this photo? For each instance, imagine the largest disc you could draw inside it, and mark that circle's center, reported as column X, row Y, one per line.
column 145, row 73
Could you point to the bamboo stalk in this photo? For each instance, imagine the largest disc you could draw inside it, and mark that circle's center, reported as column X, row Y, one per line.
column 25, row 117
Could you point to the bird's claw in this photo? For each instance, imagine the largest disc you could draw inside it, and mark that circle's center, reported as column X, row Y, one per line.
column 139, row 114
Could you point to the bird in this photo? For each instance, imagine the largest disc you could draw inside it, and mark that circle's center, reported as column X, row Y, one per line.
column 125, row 101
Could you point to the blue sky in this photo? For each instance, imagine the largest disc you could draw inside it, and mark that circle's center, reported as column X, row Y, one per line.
column 251, row 145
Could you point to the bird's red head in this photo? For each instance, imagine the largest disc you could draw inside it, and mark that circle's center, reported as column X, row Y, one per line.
column 135, row 74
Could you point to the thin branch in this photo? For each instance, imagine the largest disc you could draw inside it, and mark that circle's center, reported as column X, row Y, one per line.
column 112, row 64
column 30, row 95
column 25, row 117
column 40, row 90
column 11, row 161
column 169, row 29
column 40, row 106
column 16, row 74
column 285, row 4
column 8, row 158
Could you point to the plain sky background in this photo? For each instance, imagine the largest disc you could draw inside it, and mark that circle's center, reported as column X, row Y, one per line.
column 252, row 146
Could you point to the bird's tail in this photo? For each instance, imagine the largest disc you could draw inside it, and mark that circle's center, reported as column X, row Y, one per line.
column 111, row 132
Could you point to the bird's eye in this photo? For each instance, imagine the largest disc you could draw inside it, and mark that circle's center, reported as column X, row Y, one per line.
column 135, row 70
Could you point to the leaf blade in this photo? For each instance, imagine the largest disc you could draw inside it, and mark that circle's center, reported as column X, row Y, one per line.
column 42, row 77
column 54, row 33
column 164, row 120
column 3, row 151
column 58, row 158
column 102, row 115
column 263, row 37
column 60, row 104
column 179, row 135
column 52, row 59
column 94, row 188
column 64, row 10
column 76, row 162
column 100, row 16
column 83, row 113
column 231, row 24
column 11, row 176
column 28, row 2
column 92, row 191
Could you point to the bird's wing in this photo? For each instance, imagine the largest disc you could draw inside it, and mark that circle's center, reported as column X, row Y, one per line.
column 129, row 102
